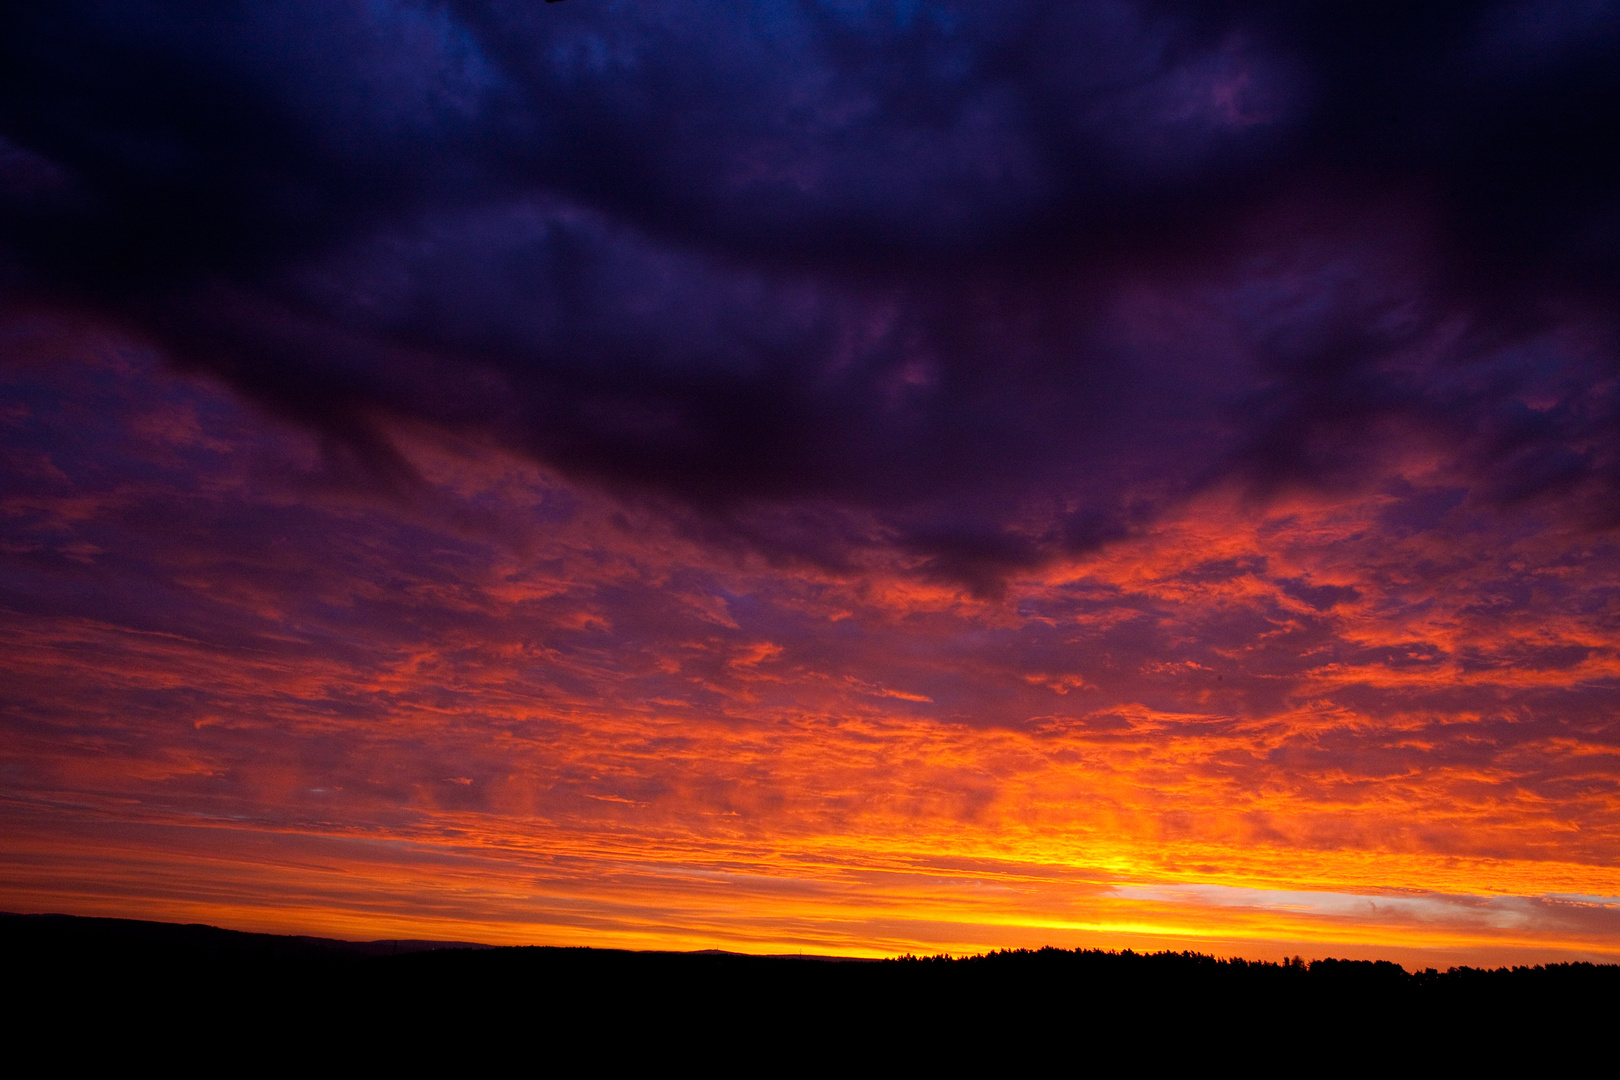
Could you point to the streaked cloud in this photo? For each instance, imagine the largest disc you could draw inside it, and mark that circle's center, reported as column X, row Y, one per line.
column 243, row 688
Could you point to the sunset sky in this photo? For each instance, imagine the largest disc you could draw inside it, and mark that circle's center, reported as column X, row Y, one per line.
column 816, row 475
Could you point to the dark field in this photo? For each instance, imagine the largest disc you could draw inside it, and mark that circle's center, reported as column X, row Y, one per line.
column 125, row 988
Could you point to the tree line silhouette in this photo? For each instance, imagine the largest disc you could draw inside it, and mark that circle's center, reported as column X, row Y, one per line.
column 130, row 984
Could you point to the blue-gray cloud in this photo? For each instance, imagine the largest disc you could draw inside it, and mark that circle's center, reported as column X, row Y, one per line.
column 983, row 284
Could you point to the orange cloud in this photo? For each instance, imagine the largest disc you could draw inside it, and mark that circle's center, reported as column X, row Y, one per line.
column 500, row 708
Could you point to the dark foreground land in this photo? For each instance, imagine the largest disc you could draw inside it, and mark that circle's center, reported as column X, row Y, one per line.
column 125, row 986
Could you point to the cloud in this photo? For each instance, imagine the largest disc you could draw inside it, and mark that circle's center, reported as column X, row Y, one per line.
column 964, row 288
column 242, row 684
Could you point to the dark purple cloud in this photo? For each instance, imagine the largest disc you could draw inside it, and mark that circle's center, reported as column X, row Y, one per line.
column 979, row 284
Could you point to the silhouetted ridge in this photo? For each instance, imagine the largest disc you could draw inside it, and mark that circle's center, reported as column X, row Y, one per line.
column 127, row 976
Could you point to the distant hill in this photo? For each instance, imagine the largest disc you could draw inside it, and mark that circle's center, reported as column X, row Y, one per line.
column 193, row 939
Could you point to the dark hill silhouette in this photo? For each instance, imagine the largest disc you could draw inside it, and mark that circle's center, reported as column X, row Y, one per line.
column 129, row 984
column 113, row 936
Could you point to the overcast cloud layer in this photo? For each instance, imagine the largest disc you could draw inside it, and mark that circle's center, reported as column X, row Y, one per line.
column 968, row 285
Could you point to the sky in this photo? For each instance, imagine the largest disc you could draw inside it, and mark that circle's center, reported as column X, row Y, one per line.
column 828, row 476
